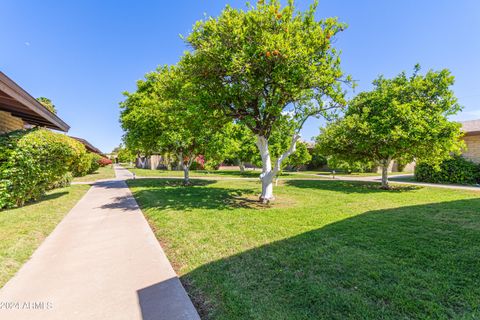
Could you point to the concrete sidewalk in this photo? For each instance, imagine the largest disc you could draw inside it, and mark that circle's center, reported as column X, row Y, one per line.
column 101, row 262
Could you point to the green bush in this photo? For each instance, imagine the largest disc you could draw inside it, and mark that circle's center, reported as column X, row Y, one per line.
column 350, row 166
column 455, row 170
column 63, row 182
column 81, row 165
column 94, row 162
column 31, row 162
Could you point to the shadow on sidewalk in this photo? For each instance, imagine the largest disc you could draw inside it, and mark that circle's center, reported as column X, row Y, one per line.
column 166, row 300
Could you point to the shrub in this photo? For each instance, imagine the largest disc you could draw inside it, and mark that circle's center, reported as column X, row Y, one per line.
column 455, row 170
column 63, row 182
column 82, row 164
column 104, row 162
column 350, row 166
column 31, row 162
column 94, row 162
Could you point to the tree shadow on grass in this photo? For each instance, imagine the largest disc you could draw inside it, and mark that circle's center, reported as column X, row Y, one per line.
column 412, row 262
column 171, row 194
column 50, row 196
column 347, row 186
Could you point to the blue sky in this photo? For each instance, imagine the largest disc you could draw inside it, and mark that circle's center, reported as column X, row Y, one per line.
column 84, row 54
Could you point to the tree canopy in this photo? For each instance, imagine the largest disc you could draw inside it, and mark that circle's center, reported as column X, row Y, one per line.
column 256, row 65
column 404, row 118
column 165, row 115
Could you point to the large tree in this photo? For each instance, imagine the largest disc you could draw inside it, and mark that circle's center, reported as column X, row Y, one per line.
column 403, row 118
column 259, row 64
column 165, row 115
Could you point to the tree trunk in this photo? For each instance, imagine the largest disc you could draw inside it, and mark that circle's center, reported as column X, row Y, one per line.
column 268, row 174
column 384, row 165
column 142, row 162
column 242, row 166
column 186, row 174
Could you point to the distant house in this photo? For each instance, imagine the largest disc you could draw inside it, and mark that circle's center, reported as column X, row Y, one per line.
column 19, row 110
column 89, row 146
column 472, row 140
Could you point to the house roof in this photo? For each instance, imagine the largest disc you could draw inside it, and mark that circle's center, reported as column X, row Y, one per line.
column 88, row 145
column 471, row 127
column 21, row 104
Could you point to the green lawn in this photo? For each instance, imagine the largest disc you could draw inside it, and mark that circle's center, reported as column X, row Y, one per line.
column 323, row 250
column 106, row 172
column 217, row 173
column 248, row 173
column 23, row 229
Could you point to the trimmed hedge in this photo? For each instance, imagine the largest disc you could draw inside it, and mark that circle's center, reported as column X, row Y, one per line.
column 455, row 170
column 33, row 161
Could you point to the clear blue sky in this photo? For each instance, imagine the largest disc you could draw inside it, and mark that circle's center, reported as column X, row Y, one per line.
column 84, row 54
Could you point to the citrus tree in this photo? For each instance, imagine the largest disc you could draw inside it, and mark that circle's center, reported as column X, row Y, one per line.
column 257, row 65
column 405, row 118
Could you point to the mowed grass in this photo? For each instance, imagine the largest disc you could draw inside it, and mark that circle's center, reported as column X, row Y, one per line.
column 323, row 250
column 106, row 172
column 219, row 173
column 23, row 229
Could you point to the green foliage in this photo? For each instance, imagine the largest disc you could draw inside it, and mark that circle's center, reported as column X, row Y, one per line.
column 264, row 64
column 242, row 148
column 299, row 158
column 318, row 159
column 455, row 170
column 350, row 166
column 165, row 115
column 125, row 155
column 401, row 118
column 253, row 65
column 94, row 162
column 31, row 162
column 47, row 103
column 82, row 163
column 63, row 182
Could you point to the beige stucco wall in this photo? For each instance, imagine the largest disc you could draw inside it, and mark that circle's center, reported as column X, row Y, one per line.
column 9, row 123
column 473, row 148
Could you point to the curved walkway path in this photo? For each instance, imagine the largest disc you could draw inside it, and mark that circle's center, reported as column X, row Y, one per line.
column 101, row 262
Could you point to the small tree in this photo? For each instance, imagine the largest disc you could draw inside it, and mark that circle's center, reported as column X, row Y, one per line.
column 256, row 65
column 165, row 115
column 47, row 103
column 300, row 157
column 401, row 118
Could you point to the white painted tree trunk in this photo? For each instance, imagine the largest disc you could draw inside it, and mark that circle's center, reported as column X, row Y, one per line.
column 142, row 162
column 384, row 165
column 268, row 174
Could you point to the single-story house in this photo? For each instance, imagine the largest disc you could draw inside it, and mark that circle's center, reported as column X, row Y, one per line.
column 19, row 110
column 472, row 140
column 89, row 146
